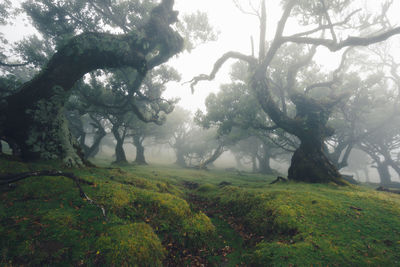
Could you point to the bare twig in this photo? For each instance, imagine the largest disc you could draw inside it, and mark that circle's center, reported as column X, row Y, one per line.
column 12, row 178
column 328, row 18
column 217, row 66
column 324, row 27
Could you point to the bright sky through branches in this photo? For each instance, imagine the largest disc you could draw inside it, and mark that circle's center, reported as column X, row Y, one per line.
column 236, row 30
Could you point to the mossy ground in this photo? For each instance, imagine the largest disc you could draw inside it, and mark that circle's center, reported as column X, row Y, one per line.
column 154, row 220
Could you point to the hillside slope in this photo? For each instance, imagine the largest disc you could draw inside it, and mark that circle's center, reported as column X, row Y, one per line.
column 166, row 216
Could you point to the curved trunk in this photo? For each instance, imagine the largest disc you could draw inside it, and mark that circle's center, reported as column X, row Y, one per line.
column 138, row 143
column 33, row 118
column 119, row 147
column 120, row 153
column 309, row 164
column 395, row 166
column 217, row 153
column 384, row 174
column 92, row 151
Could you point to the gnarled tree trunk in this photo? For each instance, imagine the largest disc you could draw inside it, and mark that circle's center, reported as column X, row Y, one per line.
column 217, row 153
column 33, row 118
column 92, row 151
column 309, row 163
column 119, row 147
column 383, row 171
column 138, row 143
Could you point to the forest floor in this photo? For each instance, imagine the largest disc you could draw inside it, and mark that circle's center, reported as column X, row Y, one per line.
column 168, row 216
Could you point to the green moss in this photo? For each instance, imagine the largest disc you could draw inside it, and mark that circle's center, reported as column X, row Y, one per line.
column 206, row 188
column 131, row 245
column 43, row 221
column 199, row 231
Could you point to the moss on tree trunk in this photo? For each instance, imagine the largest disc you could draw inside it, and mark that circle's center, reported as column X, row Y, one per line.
column 33, row 118
column 309, row 163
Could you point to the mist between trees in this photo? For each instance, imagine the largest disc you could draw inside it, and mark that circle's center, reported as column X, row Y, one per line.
column 92, row 80
column 281, row 168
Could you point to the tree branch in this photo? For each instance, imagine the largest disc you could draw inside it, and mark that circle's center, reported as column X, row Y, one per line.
column 217, row 66
column 350, row 41
column 276, row 44
column 12, row 65
column 324, row 27
column 328, row 18
column 263, row 32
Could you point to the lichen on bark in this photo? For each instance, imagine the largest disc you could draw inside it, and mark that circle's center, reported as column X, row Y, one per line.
column 33, row 117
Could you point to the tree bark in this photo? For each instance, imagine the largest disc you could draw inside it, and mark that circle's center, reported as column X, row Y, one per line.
column 264, row 161
column 92, row 151
column 383, row 171
column 33, row 118
column 217, row 153
column 309, row 163
column 119, row 147
column 394, row 165
column 138, row 143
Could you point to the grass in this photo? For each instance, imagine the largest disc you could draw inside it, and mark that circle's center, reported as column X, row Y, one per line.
column 154, row 220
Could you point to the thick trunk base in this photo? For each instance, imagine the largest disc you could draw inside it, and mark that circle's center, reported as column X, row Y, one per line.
column 313, row 167
column 140, row 159
column 41, row 132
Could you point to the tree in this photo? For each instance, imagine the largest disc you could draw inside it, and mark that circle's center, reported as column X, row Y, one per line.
column 237, row 115
column 141, row 131
column 369, row 119
column 38, row 104
column 309, row 124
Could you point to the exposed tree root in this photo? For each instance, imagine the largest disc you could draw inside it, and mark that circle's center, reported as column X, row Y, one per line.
column 15, row 177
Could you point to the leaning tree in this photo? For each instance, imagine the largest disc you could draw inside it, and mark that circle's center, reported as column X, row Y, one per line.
column 237, row 115
column 32, row 118
column 309, row 123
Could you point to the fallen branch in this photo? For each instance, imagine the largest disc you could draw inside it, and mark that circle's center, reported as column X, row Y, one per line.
column 381, row 188
column 356, row 208
column 15, row 177
column 279, row 179
column 12, row 178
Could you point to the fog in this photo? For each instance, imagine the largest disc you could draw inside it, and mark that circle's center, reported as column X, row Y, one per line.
column 344, row 91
